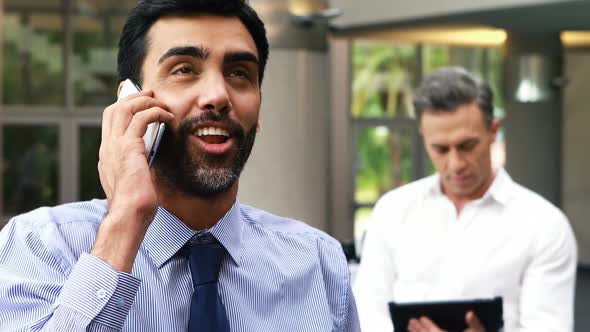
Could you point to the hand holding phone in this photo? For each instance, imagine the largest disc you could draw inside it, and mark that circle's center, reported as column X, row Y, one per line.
column 154, row 131
column 130, row 188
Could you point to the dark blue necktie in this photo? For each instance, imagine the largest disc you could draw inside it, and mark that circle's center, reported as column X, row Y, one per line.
column 207, row 311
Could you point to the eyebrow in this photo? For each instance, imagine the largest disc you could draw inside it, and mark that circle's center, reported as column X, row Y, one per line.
column 240, row 56
column 473, row 140
column 195, row 52
column 439, row 146
column 465, row 142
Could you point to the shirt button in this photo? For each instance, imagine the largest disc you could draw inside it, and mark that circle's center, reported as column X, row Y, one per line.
column 120, row 303
column 101, row 293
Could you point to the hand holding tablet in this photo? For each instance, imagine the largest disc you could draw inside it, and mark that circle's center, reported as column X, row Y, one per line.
column 449, row 315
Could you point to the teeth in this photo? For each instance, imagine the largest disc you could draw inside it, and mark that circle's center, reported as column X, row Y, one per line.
column 212, row 131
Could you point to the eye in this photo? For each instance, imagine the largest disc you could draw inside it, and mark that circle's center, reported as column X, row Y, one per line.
column 239, row 73
column 468, row 146
column 183, row 70
column 441, row 149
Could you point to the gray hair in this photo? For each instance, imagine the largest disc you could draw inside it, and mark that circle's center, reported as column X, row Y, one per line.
column 448, row 88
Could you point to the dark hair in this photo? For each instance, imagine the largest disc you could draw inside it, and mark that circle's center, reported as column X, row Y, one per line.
column 133, row 41
column 448, row 88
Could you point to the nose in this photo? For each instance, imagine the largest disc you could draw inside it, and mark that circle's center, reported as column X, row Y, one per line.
column 213, row 94
column 456, row 161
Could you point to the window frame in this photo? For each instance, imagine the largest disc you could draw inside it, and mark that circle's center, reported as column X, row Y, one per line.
column 69, row 118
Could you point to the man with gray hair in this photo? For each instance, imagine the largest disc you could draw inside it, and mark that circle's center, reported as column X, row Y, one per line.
column 467, row 231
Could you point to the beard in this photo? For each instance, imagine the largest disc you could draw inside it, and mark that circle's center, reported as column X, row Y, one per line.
column 194, row 172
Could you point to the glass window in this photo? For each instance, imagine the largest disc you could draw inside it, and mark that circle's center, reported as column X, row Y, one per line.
column 32, row 46
column 97, row 26
column 470, row 58
column 30, row 167
column 434, row 57
column 89, row 180
column 495, row 69
column 384, row 162
column 383, row 79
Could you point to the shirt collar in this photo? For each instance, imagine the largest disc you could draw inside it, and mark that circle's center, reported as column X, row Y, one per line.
column 500, row 189
column 167, row 234
column 229, row 231
column 434, row 185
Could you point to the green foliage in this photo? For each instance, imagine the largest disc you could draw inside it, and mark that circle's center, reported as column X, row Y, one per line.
column 383, row 76
column 32, row 73
column 435, row 56
column 374, row 164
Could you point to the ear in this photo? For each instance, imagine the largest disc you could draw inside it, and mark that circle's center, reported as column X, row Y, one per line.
column 420, row 127
column 494, row 127
column 259, row 123
column 120, row 87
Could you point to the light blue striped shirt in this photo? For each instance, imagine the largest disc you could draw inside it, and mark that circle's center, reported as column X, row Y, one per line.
column 279, row 275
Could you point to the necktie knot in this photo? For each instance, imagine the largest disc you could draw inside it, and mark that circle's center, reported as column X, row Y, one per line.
column 205, row 255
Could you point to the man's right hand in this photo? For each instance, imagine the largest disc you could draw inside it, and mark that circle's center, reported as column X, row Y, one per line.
column 126, row 178
column 425, row 324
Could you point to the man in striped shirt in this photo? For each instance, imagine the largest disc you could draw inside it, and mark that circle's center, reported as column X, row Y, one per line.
column 121, row 264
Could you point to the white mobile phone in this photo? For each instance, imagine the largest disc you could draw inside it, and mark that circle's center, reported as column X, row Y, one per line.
column 155, row 130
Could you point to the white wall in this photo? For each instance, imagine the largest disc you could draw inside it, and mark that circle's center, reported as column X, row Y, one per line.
column 369, row 12
column 575, row 151
column 287, row 172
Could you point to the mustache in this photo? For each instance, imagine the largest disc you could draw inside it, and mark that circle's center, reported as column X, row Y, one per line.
column 235, row 129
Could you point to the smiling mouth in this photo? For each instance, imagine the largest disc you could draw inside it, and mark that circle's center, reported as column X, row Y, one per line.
column 212, row 135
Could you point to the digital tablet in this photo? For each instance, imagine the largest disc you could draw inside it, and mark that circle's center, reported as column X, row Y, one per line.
column 449, row 315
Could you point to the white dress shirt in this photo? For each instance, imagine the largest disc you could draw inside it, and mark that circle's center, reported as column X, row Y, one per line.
column 510, row 243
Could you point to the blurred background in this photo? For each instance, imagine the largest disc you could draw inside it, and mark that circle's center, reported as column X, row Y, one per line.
column 338, row 128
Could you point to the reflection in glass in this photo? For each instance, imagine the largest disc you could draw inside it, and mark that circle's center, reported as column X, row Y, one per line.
column 97, row 25
column 437, row 56
column 383, row 79
column 30, row 172
column 533, row 79
column 89, row 180
column 384, row 162
column 495, row 70
column 470, row 58
column 32, row 45
column 434, row 57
